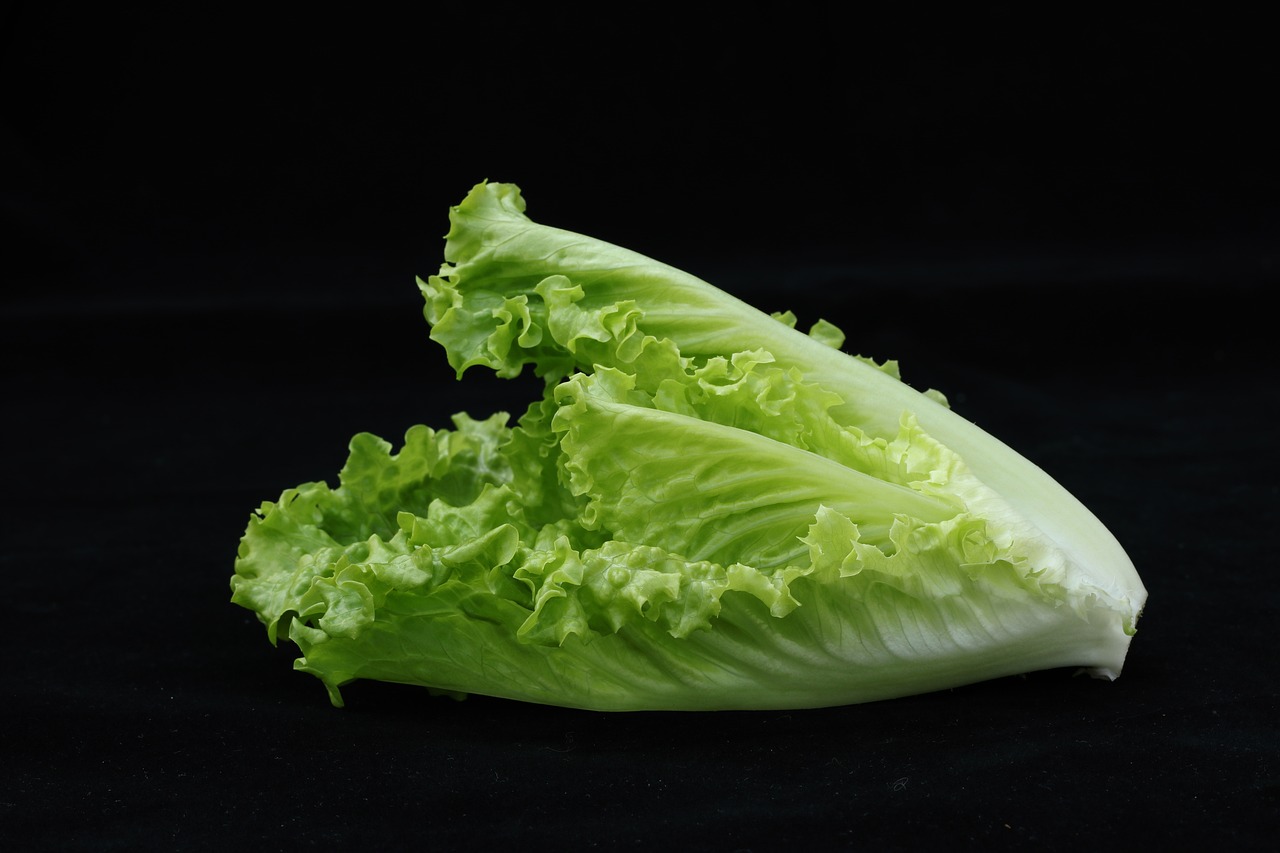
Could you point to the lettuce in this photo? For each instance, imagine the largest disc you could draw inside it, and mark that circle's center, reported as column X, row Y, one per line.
column 706, row 509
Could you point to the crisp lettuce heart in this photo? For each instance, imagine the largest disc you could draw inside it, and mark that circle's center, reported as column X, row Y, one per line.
column 706, row 509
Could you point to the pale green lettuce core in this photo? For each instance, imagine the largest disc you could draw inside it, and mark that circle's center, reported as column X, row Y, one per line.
column 706, row 509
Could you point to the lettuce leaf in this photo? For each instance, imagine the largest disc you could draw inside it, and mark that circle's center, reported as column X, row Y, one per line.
column 706, row 509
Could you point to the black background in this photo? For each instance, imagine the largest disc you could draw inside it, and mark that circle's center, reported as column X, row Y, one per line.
column 211, row 223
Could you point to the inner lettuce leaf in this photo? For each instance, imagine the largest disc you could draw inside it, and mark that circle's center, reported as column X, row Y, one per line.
column 706, row 509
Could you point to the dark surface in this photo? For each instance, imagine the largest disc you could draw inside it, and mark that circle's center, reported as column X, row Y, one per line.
column 212, row 230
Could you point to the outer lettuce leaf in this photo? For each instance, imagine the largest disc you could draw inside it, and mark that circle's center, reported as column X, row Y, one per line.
column 706, row 509
column 585, row 302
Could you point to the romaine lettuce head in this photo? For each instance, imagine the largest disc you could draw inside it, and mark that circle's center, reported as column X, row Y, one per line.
column 706, row 509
